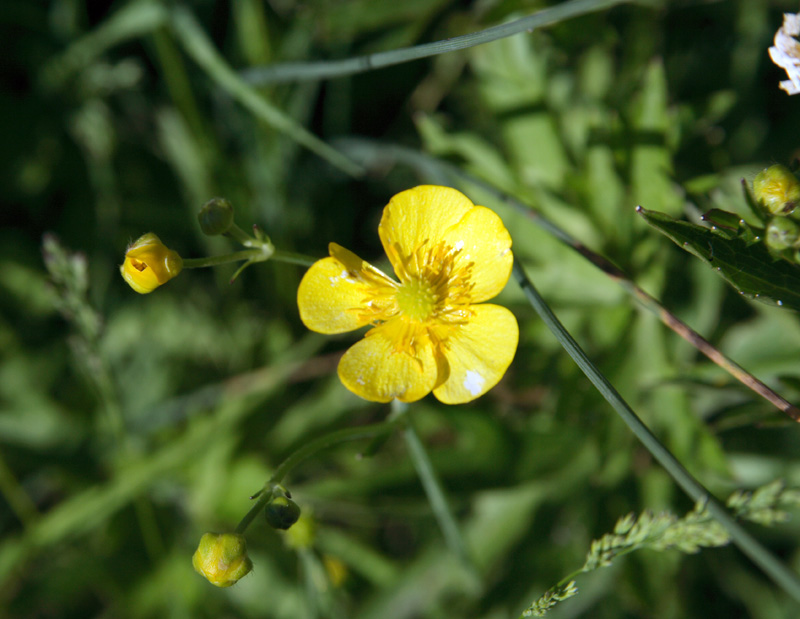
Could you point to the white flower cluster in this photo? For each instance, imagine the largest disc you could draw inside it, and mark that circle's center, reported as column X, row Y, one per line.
column 786, row 52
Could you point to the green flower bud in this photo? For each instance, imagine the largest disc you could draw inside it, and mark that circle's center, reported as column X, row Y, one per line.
column 222, row 558
column 282, row 512
column 782, row 233
column 777, row 189
column 216, row 216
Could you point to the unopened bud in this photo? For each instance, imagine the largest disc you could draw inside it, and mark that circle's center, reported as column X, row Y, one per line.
column 777, row 189
column 222, row 558
column 281, row 512
column 782, row 233
column 149, row 264
column 216, row 216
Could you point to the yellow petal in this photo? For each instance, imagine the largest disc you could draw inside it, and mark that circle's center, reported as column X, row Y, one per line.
column 142, row 281
column 479, row 353
column 358, row 268
column 149, row 264
column 329, row 298
column 372, row 370
column 485, row 242
column 419, row 214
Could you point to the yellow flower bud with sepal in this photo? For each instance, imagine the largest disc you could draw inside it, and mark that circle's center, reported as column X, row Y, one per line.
column 777, row 189
column 149, row 264
column 222, row 558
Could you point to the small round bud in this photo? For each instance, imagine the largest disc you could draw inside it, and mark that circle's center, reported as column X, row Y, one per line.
column 216, row 216
column 149, row 264
column 222, row 558
column 281, row 512
column 782, row 233
column 777, row 189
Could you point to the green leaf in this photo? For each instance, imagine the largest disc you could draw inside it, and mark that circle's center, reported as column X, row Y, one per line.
column 747, row 266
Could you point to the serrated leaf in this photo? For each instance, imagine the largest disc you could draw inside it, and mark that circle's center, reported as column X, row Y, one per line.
column 748, row 267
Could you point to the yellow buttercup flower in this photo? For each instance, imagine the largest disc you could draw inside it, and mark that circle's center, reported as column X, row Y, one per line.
column 429, row 333
column 149, row 263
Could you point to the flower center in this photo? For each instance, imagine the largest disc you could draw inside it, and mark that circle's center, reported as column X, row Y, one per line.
column 416, row 299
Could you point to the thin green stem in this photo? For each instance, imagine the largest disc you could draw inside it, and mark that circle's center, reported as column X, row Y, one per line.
column 16, row 497
column 434, row 491
column 262, row 501
column 293, row 258
column 236, row 233
column 299, row 71
column 305, row 452
column 779, row 573
column 237, row 256
column 253, row 255
column 199, row 47
column 324, row 442
column 177, row 80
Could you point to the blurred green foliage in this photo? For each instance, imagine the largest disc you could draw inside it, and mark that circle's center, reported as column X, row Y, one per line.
column 130, row 425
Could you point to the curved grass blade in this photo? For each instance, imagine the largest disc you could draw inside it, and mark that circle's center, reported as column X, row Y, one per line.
column 327, row 69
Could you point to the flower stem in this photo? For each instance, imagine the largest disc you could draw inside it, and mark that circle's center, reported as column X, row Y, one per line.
column 254, row 255
column 236, row 233
column 212, row 261
column 306, row 451
column 293, row 258
column 433, row 489
column 765, row 560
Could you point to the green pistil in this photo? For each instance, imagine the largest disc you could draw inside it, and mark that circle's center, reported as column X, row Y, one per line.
column 416, row 299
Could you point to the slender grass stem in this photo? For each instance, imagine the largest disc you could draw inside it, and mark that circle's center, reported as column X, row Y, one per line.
column 372, row 152
column 200, row 48
column 298, row 71
column 16, row 497
column 768, row 563
column 177, row 80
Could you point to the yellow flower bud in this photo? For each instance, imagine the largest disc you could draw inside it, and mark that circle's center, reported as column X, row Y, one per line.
column 222, row 558
column 777, row 189
column 149, row 263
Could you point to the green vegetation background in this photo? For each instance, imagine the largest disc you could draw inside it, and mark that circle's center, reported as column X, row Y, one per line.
column 130, row 425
